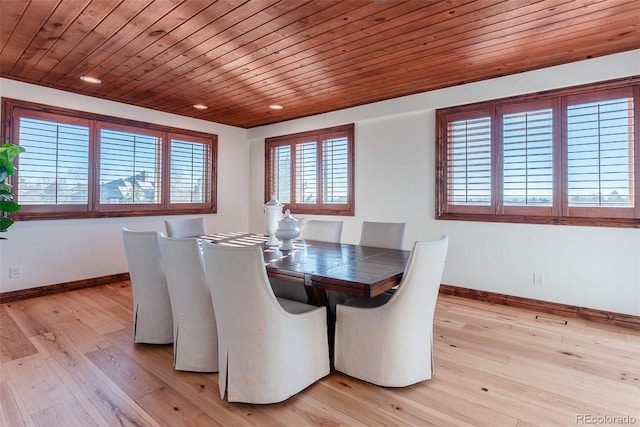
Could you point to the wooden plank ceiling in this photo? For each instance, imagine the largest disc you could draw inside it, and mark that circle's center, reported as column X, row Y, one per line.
column 238, row 57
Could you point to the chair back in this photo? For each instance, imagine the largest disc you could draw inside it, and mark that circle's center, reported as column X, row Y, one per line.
column 185, row 227
column 152, row 319
column 418, row 290
column 195, row 341
column 400, row 352
column 266, row 353
column 237, row 279
column 382, row 234
column 324, row 231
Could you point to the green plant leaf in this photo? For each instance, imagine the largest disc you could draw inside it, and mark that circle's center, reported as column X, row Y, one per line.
column 5, row 223
column 7, row 167
column 9, row 151
column 9, row 206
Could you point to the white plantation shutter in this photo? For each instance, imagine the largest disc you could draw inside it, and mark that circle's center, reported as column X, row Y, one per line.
column 312, row 172
column 600, row 158
column 130, row 167
column 189, row 172
column 84, row 165
column 307, row 172
column 335, row 173
column 566, row 157
column 281, row 173
column 527, row 140
column 54, row 169
column 469, row 162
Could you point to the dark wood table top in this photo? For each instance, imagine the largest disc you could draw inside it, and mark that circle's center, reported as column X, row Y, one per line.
column 355, row 270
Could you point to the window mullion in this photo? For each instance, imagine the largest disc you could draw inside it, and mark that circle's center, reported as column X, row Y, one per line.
column 94, row 160
column 559, row 148
column 636, row 150
column 319, row 172
column 497, row 163
column 292, row 176
column 164, row 163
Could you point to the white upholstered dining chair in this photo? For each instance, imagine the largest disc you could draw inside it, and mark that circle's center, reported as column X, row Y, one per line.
column 388, row 340
column 382, row 234
column 195, row 336
column 268, row 348
column 185, row 227
column 325, row 231
column 152, row 319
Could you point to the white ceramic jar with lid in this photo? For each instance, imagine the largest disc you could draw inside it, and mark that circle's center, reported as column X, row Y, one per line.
column 272, row 213
column 287, row 231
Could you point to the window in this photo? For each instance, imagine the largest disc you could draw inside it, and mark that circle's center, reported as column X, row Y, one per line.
column 600, row 155
column 190, row 169
column 564, row 157
column 312, row 172
column 130, row 167
column 55, row 170
column 84, row 165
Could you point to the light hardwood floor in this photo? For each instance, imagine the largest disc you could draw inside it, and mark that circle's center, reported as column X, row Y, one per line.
column 69, row 360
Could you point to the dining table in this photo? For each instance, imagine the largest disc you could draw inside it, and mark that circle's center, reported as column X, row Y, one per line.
column 360, row 271
column 322, row 267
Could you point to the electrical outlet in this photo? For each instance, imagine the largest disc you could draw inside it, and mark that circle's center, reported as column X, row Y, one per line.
column 538, row 279
column 15, row 272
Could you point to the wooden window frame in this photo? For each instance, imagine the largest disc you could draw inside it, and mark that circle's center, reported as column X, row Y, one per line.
column 319, row 208
column 13, row 109
column 559, row 213
column 206, row 206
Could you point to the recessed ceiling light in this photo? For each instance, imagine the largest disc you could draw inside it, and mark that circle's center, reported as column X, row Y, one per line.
column 89, row 79
column 276, row 107
column 200, row 107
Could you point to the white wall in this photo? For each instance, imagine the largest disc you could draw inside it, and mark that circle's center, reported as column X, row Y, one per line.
column 58, row 251
column 595, row 267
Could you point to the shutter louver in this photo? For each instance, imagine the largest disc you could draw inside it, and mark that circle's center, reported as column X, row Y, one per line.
column 601, row 154
column 189, row 171
column 129, row 168
column 54, row 169
column 335, row 179
column 527, row 158
column 306, row 172
column 469, row 162
column 281, row 172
